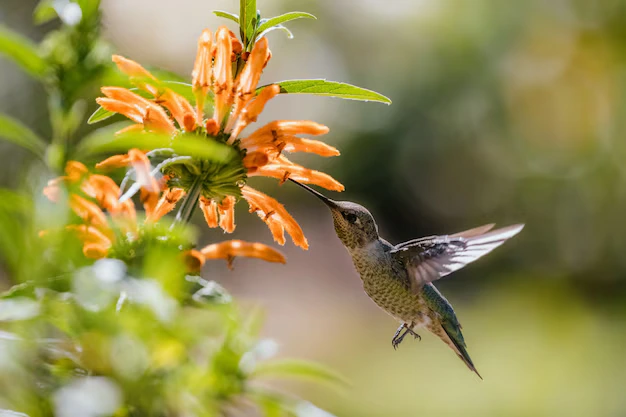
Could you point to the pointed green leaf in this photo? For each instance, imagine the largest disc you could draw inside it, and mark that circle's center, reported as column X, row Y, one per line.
column 226, row 15
column 21, row 51
column 99, row 115
column 14, row 131
column 300, row 369
column 282, row 19
column 89, row 8
column 277, row 27
column 44, row 12
column 321, row 87
column 104, row 140
column 247, row 20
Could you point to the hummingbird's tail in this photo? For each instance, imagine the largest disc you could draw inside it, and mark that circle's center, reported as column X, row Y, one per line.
column 453, row 337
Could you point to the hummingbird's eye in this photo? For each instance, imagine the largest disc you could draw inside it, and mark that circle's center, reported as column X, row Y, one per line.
column 351, row 218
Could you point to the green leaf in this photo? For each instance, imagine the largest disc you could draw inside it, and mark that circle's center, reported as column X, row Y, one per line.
column 90, row 9
column 300, row 369
column 99, row 115
column 21, row 51
column 282, row 19
column 226, row 15
column 105, row 141
column 181, row 88
column 14, row 131
column 44, row 12
column 321, row 87
column 247, row 21
column 277, row 27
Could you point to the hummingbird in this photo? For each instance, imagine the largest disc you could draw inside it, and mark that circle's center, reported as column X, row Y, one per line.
column 398, row 278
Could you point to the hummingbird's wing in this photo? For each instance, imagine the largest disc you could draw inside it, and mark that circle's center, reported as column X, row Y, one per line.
column 430, row 258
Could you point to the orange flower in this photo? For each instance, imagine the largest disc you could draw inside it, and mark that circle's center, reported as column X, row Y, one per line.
column 229, row 250
column 237, row 102
column 98, row 230
column 275, row 216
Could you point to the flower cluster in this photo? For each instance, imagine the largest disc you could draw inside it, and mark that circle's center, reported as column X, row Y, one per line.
column 227, row 100
column 118, row 234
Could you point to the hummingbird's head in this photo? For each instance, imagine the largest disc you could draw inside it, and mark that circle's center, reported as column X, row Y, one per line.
column 354, row 224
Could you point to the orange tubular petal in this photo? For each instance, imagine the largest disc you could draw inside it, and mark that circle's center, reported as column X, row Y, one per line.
column 250, row 113
column 90, row 235
column 104, row 190
column 209, row 209
column 275, row 216
column 149, row 201
column 296, row 144
column 126, row 96
column 202, row 72
column 194, row 260
column 115, row 161
column 276, row 228
column 166, row 203
column 285, row 128
column 94, row 251
column 136, row 108
column 75, row 170
column 251, row 73
column 157, row 120
column 231, row 249
column 249, row 78
column 227, row 214
column 125, row 109
column 179, row 107
column 131, row 68
column 223, row 73
column 139, row 75
column 89, row 212
column 141, row 164
column 254, row 160
column 236, row 46
column 282, row 171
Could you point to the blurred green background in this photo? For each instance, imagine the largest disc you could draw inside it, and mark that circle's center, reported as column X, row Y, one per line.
column 502, row 112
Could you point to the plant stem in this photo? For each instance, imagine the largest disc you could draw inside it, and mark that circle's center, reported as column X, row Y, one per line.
column 189, row 203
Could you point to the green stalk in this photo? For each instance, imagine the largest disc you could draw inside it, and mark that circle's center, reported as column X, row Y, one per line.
column 189, row 203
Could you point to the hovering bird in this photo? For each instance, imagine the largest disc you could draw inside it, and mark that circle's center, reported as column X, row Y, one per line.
column 398, row 278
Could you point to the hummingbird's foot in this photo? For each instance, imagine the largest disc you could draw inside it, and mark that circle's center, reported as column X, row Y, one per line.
column 415, row 335
column 398, row 337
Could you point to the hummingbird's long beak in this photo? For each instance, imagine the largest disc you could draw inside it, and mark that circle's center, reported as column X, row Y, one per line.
column 330, row 203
